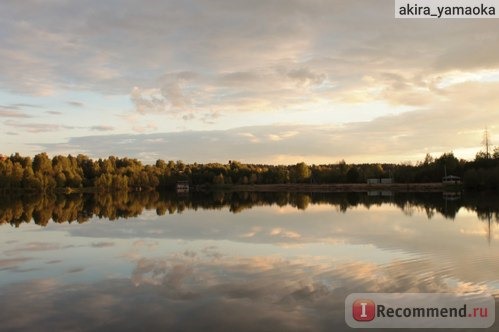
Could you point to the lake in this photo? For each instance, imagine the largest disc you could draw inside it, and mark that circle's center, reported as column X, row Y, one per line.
column 234, row 261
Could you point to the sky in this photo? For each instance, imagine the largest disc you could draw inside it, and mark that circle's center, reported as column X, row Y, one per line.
column 260, row 81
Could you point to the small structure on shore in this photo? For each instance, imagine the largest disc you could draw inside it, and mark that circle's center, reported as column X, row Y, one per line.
column 380, row 181
column 450, row 179
column 182, row 186
column 3, row 158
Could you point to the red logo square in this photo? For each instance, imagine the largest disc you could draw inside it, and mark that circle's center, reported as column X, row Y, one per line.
column 363, row 310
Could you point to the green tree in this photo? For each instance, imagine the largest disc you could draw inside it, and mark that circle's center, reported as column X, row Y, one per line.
column 42, row 164
column 301, row 173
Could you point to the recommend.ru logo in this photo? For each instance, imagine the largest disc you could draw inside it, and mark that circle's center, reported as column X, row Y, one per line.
column 419, row 310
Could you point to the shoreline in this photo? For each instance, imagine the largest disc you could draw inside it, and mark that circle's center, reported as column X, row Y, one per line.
column 288, row 187
column 336, row 187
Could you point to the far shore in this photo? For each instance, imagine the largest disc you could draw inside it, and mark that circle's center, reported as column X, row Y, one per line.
column 336, row 187
column 288, row 187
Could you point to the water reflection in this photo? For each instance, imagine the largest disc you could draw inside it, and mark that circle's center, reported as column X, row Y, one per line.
column 81, row 208
column 286, row 262
column 183, row 293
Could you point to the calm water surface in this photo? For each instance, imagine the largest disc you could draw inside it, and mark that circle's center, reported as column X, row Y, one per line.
column 233, row 262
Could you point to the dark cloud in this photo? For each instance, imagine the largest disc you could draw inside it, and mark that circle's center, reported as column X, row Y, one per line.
column 102, row 244
column 26, row 105
column 75, row 270
column 306, row 76
column 102, row 128
column 75, row 103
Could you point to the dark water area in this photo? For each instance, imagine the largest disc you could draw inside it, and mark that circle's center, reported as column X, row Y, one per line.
column 234, row 261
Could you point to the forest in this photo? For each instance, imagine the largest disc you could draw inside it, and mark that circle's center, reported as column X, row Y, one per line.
column 42, row 174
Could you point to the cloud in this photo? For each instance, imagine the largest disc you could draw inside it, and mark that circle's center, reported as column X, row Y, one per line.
column 25, row 105
column 457, row 122
column 102, row 244
column 102, row 128
column 146, row 101
column 305, row 76
column 15, row 110
column 54, row 112
column 251, row 137
column 283, row 135
column 259, row 144
column 75, row 103
column 236, row 57
column 36, row 127
column 10, row 113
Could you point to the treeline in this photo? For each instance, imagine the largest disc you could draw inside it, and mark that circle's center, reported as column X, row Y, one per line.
column 80, row 208
column 44, row 174
column 482, row 173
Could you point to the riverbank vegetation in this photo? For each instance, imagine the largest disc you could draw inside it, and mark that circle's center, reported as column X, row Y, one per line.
column 81, row 173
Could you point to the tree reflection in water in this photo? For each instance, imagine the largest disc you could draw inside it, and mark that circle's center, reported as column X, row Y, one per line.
column 82, row 207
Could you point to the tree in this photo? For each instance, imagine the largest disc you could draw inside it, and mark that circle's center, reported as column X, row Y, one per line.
column 42, row 164
column 428, row 159
column 60, row 179
column 161, row 164
column 449, row 162
column 353, row 175
column 301, row 172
